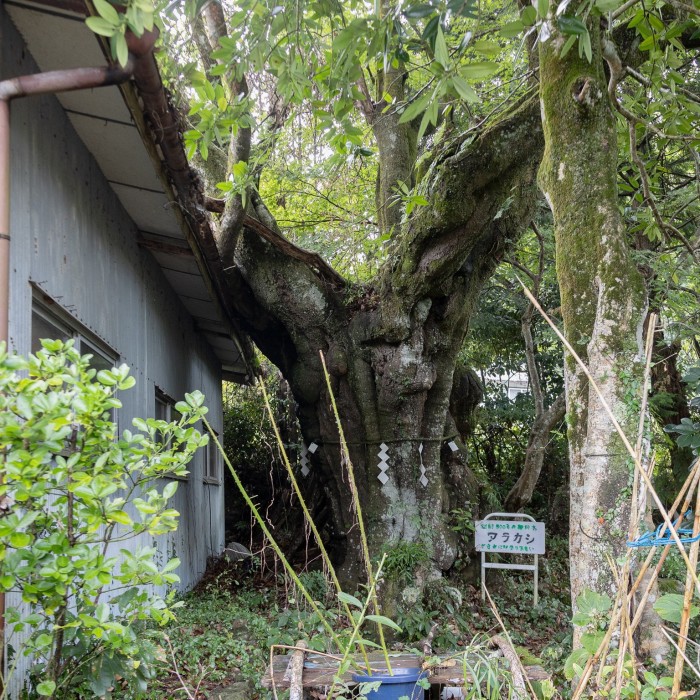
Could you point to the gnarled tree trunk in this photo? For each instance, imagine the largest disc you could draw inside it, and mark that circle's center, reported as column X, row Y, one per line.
column 391, row 348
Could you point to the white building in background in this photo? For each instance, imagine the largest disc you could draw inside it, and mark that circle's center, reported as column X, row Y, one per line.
column 515, row 383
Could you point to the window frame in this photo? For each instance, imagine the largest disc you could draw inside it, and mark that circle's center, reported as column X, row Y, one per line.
column 71, row 328
column 213, row 463
column 171, row 414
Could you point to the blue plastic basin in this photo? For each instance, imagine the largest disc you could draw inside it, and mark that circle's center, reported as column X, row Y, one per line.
column 401, row 684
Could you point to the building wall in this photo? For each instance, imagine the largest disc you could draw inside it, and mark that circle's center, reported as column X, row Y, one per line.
column 72, row 240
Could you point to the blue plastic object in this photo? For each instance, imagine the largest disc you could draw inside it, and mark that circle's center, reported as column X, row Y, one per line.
column 400, row 685
column 656, row 539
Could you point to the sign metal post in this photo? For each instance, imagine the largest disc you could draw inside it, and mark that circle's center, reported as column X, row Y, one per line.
column 509, row 533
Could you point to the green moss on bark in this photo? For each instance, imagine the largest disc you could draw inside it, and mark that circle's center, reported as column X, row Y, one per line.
column 603, row 297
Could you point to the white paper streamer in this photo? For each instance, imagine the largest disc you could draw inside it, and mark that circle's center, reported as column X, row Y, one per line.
column 383, row 463
column 423, row 478
column 304, row 458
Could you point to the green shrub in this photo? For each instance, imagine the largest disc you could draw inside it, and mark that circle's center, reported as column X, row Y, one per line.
column 73, row 492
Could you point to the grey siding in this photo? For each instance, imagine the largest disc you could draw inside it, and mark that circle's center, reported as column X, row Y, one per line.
column 72, row 239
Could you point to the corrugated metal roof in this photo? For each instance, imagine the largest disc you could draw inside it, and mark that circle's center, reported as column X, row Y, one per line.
column 58, row 38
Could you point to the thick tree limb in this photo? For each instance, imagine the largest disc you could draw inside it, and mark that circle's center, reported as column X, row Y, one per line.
column 521, row 493
column 314, row 260
column 477, row 193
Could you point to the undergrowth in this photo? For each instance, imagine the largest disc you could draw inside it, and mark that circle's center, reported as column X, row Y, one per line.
column 225, row 627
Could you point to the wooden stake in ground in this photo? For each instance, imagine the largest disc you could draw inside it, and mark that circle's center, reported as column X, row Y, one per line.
column 687, row 600
column 296, row 672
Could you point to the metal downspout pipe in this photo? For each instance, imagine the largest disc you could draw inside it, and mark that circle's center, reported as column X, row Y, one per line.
column 41, row 84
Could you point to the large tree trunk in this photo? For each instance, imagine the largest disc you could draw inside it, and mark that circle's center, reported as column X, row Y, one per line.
column 391, row 349
column 603, row 302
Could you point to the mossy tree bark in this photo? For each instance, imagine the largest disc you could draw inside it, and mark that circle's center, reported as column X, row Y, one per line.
column 391, row 346
column 603, row 299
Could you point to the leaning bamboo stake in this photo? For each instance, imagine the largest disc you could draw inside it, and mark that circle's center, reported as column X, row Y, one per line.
column 688, row 486
column 682, row 653
column 687, row 600
column 602, row 650
column 307, row 515
column 273, row 542
column 358, row 510
column 635, row 511
column 623, row 588
column 690, row 483
column 357, row 623
column 694, row 478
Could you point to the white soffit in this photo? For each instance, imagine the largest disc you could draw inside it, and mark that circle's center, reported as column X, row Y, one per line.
column 151, row 210
column 58, row 39
column 190, row 286
column 75, row 47
column 119, row 152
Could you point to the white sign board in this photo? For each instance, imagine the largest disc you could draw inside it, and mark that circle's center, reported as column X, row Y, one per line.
column 509, row 533
column 509, row 536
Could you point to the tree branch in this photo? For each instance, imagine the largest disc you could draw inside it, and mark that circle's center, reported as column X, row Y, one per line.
column 240, row 144
column 480, row 192
column 521, row 493
column 313, row 260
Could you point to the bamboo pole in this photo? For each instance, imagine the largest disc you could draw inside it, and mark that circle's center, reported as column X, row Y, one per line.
column 694, row 483
column 687, row 600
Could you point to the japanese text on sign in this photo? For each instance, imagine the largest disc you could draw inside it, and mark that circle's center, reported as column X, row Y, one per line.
column 509, row 536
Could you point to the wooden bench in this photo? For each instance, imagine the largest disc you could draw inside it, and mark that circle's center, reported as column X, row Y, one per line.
column 308, row 675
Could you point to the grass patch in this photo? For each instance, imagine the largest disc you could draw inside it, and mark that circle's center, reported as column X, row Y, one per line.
column 225, row 627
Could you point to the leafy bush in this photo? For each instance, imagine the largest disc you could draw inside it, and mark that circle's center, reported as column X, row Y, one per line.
column 74, row 491
column 403, row 559
column 688, row 430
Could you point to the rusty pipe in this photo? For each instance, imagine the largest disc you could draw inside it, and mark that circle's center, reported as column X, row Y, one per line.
column 40, row 84
column 63, row 81
column 4, row 242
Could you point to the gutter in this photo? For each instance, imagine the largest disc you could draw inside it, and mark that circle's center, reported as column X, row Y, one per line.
column 140, row 50
column 163, row 122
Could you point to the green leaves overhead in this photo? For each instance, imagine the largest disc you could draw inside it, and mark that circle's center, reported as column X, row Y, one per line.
column 137, row 16
column 326, row 59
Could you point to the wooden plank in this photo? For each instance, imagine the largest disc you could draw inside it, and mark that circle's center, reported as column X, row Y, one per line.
column 320, row 671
